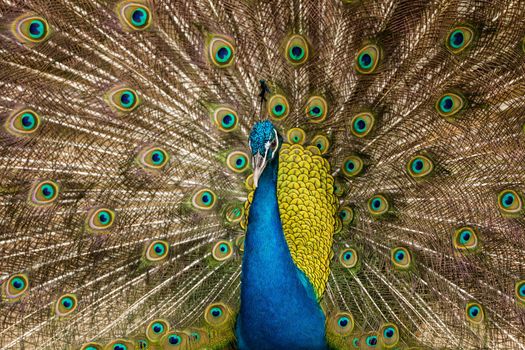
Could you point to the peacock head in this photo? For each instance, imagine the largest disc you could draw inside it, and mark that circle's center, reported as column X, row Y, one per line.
column 264, row 142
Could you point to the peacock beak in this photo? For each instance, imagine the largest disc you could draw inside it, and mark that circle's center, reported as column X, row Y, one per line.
column 259, row 164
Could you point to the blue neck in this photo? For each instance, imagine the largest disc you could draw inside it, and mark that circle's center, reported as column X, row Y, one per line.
column 278, row 305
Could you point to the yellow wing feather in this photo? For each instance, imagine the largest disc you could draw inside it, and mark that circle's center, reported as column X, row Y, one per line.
column 307, row 206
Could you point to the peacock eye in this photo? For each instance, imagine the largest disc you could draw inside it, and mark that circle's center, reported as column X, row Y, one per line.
column 352, row 166
column 23, row 122
column 297, row 50
column 221, row 51
column 459, row 38
column 465, row 238
column 31, row 29
column 217, row 314
column 389, row 335
column 65, row 305
column 156, row 329
column 135, row 16
column 401, row 258
column 475, row 313
column 222, row 250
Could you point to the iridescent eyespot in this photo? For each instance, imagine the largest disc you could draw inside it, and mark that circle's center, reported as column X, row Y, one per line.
column 367, row 59
column 156, row 329
column 352, row 166
column 316, row 109
column 510, row 202
column 239, row 242
column 378, row 205
column 355, row 342
column 349, row 258
column 101, row 219
column 419, row 166
column 222, row 250
column 370, row 340
column 156, row 251
column 142, row 344
column 401, row 258
column 297, row 50
column 217, row 314
column 204, row 199
column 43, row 193
column 321, row 142
column 174, row 340
column 346, row 214
column 339, row 187
column 238, row 161
column 23, row 122
column 278, row 107
column 520, row 291
column 15, row 287
column 233, row 212
column 342, row 323
column 389, row 335
column 474, row 312
column 119, row 344
column 465, row 238
column 92, row 346
column 226, row 119
column 450, row 104
column 459, row 38
column 65, row 305
column 153, row 158
column 221, row 51
column 197, row 337
column 134, row 15
column 361, row 124
column 123, row 99
column 296, row 136
column 30, row 29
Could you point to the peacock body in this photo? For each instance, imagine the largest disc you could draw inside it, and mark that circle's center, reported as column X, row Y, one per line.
column 274, row 174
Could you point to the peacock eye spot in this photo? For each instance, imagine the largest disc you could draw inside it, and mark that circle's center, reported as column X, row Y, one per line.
column 139, row 17
column 67, row 303
column 157, row 328
column 343, row 321
column 508, row 199
column 360, row 124
column 473, row 311
column 297, row 52
column 174, row 339
column 119, row 347
column 348, row 256
column 223, row 248
column 279, row 108
column 371, row 341
column 376, row 203
column 366, row 59
column 36, row 29
column 18, row 283
column 522, row 290
column 216, row 312
column 206, row 198
column 457, row 38
column 418, row 165
column 389, row 333
column 400, row 256
column 28, row 120
column 223, row 54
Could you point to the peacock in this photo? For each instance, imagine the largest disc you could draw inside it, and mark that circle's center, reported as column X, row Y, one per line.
column 262, row 174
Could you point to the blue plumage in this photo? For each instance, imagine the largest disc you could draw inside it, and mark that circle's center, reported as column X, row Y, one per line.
column 278, row 305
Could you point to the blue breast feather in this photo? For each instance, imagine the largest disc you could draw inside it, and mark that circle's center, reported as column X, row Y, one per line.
column 279, row 309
